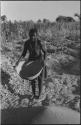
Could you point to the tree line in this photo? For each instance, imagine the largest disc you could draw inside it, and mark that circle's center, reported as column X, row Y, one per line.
column 19, row 29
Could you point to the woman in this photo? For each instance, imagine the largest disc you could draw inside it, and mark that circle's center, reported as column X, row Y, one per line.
column 36, row 51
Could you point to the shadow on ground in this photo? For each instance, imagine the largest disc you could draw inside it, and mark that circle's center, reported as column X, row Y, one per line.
column 40, row 115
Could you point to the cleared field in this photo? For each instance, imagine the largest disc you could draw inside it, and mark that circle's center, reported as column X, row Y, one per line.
column 62, row 86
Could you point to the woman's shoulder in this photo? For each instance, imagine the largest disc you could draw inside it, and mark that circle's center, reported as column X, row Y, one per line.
column 27, row 42
column 39, row 41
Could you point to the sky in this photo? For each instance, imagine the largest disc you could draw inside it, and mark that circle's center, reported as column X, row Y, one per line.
column 34, row 10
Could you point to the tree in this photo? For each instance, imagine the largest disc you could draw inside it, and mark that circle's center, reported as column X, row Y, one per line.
column 3, row 18
column 39, row 21
column 78, row 15
column 64, row 19
column 46, row 21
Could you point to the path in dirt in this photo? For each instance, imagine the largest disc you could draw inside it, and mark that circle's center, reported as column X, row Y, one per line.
column 40, row 115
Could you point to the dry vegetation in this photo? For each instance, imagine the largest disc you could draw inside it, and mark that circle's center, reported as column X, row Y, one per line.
column 62, row 86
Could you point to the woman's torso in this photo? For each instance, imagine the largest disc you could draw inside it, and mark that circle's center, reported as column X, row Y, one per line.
column 34, row 50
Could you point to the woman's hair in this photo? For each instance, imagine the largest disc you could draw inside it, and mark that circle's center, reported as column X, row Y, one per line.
column 32, row 31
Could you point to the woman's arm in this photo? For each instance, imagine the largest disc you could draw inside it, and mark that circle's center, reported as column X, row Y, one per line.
column 44, row 52
column 43, row 48
column 23, row 53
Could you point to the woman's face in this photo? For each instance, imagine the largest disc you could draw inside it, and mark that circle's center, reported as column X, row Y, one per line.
column 34, row 36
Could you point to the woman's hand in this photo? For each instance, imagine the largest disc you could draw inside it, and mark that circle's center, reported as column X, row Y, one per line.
column 16, row 64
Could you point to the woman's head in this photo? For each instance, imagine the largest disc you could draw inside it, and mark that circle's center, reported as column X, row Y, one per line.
column 33, row 34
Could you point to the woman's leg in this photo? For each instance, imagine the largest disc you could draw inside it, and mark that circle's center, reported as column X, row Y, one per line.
column 33, row 86
column 40, row 80
column 45, row 75
column 42, row 76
